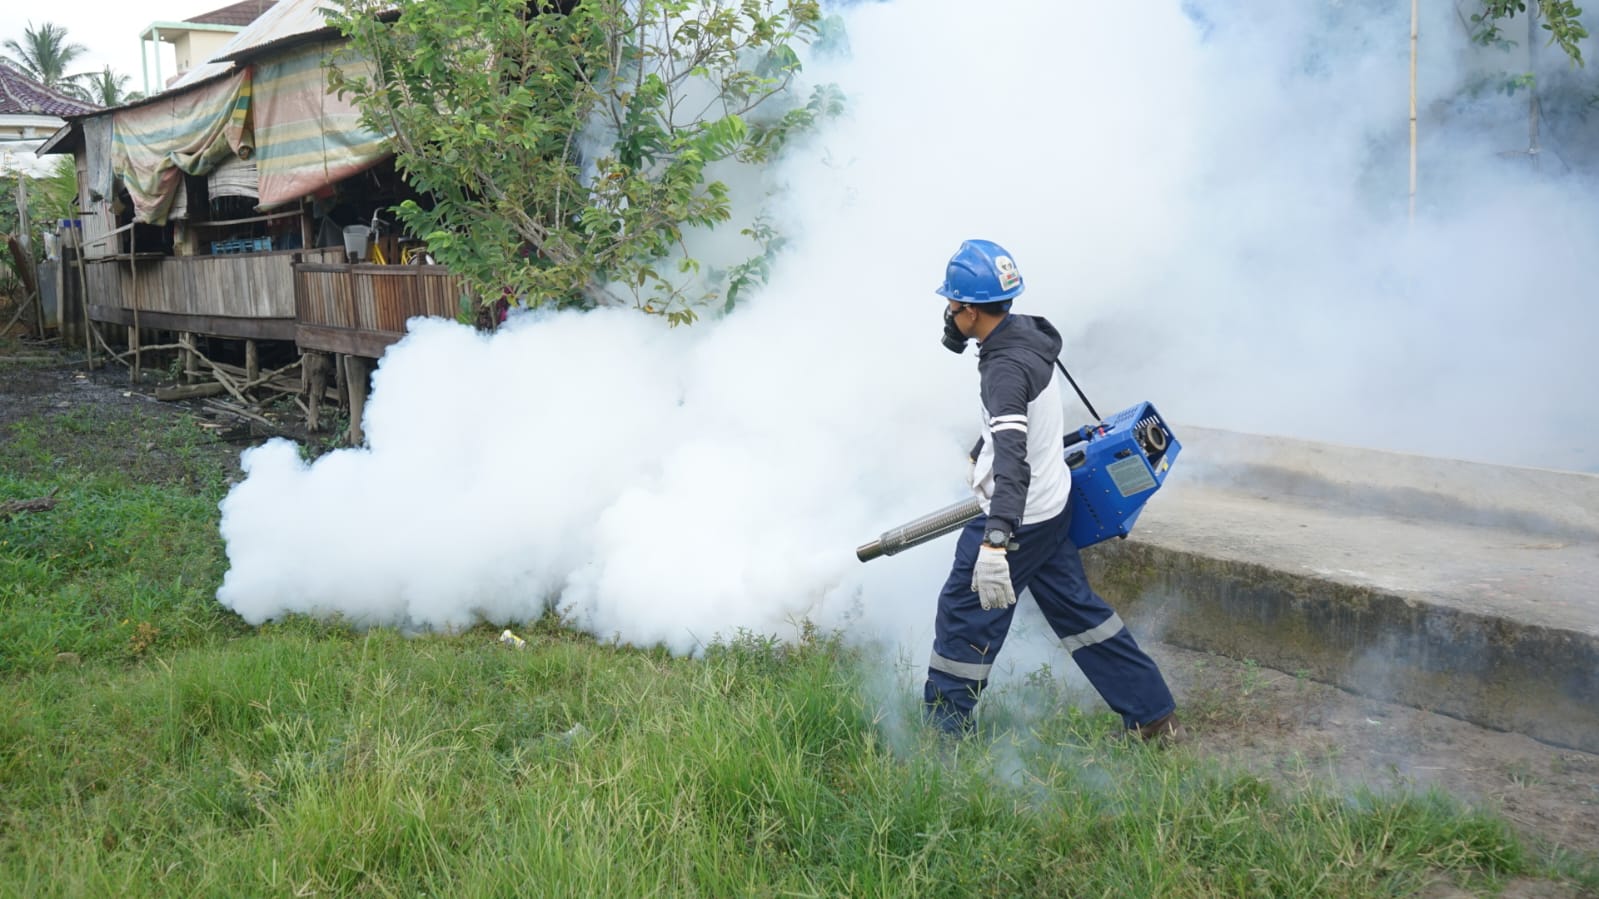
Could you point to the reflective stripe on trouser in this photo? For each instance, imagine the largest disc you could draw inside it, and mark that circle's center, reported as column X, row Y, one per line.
column 967, row 637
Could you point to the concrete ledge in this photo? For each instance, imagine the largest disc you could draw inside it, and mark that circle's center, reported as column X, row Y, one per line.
column 1466, row 589
column 1489, row 670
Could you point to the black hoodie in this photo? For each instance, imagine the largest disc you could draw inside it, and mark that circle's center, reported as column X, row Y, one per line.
column 1019, row 471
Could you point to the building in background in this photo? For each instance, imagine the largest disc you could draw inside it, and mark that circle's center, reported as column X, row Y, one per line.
column 194, row 40
column 29, row 114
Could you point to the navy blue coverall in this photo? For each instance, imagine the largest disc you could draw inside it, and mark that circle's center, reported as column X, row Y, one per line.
column 1020, row 475
column 967, row 637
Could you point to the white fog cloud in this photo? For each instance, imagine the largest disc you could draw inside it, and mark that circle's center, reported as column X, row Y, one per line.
column 1213, row 213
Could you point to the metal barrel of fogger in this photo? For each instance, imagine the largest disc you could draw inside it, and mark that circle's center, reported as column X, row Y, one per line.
column 923, row 529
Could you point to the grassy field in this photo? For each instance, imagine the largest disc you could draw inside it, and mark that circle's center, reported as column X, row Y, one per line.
column 152, row 744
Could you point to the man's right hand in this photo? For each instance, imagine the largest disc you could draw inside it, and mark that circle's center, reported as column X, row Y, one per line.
column 991, row 579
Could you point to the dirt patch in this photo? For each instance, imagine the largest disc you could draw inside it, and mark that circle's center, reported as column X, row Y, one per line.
column 58, row 414
column 1299, row 731
column 1290, row 729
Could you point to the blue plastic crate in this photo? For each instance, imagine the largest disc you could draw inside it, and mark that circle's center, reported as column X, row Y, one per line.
column 240, row 245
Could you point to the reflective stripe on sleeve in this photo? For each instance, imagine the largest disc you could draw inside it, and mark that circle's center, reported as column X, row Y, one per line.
column 1009, row 427
column 1101, row 632
column 968, row 670
column 1001, row 419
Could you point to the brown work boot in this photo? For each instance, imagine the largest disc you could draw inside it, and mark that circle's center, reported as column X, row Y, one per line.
column 1163, row 731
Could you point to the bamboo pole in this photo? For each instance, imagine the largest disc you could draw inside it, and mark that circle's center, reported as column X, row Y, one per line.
column 1415, row 18
column 83, row 281
column 133, row 336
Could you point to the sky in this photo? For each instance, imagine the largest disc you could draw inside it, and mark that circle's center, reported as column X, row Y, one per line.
column 1210, row 206
column 108, row 30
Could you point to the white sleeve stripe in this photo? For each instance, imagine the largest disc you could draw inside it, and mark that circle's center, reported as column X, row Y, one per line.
column 1004, row 418
column 1010, row 427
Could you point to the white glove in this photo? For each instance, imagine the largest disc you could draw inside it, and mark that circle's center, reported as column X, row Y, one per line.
column 991, row 579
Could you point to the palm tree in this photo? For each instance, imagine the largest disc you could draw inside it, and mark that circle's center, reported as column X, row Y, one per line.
column 103, row 88
column 44, row 54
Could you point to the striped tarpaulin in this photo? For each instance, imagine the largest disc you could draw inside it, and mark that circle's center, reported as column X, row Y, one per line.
column 305, row 137
column 154, row 144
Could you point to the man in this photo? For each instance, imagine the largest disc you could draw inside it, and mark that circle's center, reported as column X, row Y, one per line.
column 1021, row 480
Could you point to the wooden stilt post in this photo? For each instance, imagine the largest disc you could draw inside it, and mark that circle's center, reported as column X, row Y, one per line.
column 186, row 356
column 133, row 344
column 358, row 369
column 339, row 381
column 252, row 361
column 314, row 371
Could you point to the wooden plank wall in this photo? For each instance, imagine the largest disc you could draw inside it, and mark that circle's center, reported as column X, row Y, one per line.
column 374, row 298
column 97, row 223
column 242, row 285
column 105, row 282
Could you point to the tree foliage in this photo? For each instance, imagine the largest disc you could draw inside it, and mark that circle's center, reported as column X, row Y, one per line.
column 567, row 148
column 44, row 53
column 104, row 88
column 1561, row 18
column 50, row 198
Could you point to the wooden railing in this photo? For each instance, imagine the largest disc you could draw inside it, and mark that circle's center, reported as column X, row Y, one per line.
column 361, row 309
column 247, row 295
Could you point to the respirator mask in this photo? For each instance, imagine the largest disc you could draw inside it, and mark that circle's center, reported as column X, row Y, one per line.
column 953, row 340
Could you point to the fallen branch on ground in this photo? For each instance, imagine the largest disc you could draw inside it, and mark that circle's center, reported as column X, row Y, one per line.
column 224, row 407
column 11, row 507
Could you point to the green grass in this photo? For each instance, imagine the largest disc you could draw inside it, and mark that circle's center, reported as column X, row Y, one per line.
column 201, row 757
column 128, row 560
column 310, row 758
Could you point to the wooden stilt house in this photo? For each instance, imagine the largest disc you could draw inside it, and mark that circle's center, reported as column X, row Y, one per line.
column 218, row 211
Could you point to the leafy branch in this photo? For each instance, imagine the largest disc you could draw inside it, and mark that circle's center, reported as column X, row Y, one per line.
column 1561, row 18
column 566, row 148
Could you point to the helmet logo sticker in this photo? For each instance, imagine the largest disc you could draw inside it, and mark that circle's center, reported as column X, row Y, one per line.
column 1008, row 276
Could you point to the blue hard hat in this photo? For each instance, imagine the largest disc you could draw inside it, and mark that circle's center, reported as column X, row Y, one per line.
column 981, row 271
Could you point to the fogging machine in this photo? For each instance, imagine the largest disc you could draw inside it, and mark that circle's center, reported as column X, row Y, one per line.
column 1116, row 465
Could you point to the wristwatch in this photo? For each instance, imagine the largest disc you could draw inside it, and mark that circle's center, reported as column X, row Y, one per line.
column 996, row 537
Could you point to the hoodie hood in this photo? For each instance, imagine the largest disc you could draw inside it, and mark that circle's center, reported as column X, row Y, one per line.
column 1024, row 334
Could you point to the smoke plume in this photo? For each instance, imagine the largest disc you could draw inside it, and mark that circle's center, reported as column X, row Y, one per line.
column 1208, row 199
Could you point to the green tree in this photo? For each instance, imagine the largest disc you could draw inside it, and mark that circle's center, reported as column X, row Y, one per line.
column 44, row 54
column 50, row 199
column 1561, row 18
column 103, row 88
column 567, row 147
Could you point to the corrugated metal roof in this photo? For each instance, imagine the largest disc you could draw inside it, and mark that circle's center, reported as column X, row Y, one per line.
column 21, row 95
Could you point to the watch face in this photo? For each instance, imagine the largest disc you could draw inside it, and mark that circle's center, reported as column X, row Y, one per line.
column 995, row 537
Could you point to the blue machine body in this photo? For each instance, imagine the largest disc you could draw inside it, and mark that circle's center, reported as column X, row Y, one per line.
column 1119, row 466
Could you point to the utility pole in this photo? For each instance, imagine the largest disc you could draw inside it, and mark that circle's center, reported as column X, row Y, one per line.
column 1534, row 108
column 1415, row 17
